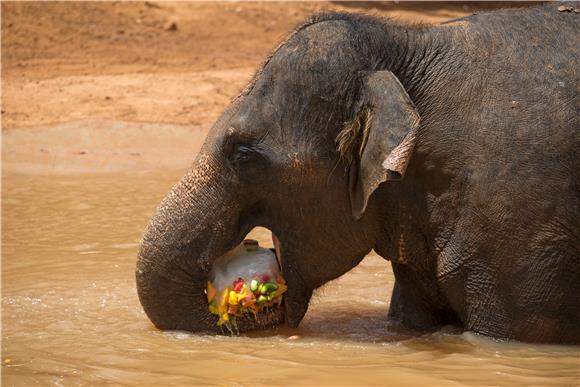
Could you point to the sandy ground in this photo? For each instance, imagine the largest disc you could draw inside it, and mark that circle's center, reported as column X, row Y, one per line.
column 101, row 86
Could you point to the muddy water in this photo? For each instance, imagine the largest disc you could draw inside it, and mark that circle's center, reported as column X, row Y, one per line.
column 71, row 317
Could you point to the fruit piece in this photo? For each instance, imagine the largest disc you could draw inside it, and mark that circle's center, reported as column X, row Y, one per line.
column 254, row 285
column 252, row 308
column 223, row 298
column 210, row 292
column 269, row 288
column 250, row 297
column 213, row 309
column 281, row 289
column 265, row 277
column 239, row 284
column 242, row 294
column 247, row 302
column 233, row 309
column 262, row 299
column 233, row 298
column 222, row 309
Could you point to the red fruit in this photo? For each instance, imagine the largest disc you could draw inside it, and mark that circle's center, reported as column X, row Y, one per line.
column 265, row 278
column 239, row 285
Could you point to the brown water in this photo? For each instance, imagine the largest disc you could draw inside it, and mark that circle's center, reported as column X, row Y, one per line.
column 71, row 316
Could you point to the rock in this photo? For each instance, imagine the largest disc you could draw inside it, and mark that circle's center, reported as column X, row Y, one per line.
column 151, row 5
column 170, row 26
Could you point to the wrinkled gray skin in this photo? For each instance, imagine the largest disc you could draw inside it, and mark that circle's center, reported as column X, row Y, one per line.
column 476, row 205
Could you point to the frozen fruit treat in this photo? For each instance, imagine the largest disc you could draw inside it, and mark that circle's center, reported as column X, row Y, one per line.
column 244, row 282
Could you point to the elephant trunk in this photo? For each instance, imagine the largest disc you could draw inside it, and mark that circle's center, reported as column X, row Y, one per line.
column 197, row 222
column 177, row 249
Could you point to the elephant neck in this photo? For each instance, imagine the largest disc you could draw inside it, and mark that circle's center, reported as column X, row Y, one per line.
column 420, row 57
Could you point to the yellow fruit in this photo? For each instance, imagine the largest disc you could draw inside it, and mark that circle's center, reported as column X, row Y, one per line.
column 222, row 311
column 213, row 309
column 249, row 304
column 281, row 289
column 223, row 300
column 233, row 298
column 210, row 292
column 242, row 294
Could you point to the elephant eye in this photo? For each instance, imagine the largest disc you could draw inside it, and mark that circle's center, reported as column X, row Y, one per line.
column 242, row 153
column 249, row 161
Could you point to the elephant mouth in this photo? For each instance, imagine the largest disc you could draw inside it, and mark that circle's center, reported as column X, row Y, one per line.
column 245, row 288
column 173, row 295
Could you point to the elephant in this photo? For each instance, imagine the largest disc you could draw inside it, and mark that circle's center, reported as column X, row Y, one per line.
column 450, row 149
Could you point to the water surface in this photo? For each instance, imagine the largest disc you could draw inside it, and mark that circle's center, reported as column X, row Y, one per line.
column 71, row 317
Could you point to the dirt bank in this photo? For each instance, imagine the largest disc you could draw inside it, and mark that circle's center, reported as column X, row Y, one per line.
column 156, row 63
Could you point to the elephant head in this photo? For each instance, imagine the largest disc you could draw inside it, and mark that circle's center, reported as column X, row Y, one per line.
column 303, row 152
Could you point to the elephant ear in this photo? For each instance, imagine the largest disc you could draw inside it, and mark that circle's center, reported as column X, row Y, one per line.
column 385, row 139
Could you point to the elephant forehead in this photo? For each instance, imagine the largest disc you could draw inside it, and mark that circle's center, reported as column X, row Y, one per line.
column 319, row 41
column 318, row 59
